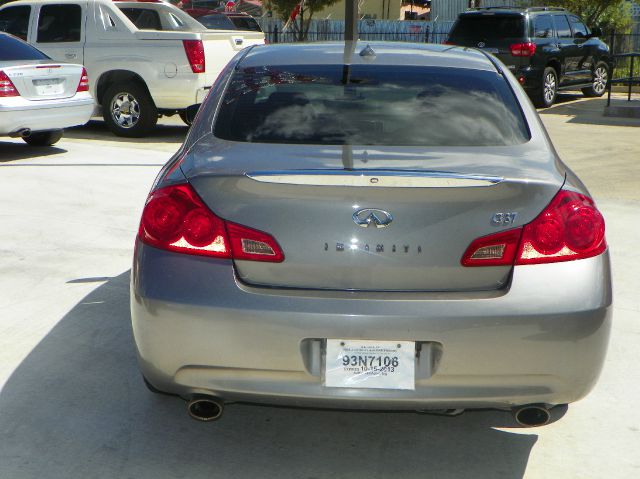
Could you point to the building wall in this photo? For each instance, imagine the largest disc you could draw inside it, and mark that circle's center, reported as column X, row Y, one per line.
column 379, row 9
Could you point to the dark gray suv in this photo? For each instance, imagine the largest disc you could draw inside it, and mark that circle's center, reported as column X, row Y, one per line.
column 547, row 48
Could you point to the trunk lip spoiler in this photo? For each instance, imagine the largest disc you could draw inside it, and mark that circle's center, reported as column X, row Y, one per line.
column 374, row 178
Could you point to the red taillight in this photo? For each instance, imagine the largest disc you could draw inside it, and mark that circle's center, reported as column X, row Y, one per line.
column 448, row 42
column 84, row 82
column 569, row 228
column 6, row 86
column 523, row 49
column 195, row 54
column 176, row 219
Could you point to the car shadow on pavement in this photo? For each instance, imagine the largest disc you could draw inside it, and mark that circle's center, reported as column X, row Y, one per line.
column 97, row 130
column 18, row 150
column 588, row 111
column 76, row 407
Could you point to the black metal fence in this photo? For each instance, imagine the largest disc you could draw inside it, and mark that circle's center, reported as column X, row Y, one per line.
column 623, row 47
column 425, row 35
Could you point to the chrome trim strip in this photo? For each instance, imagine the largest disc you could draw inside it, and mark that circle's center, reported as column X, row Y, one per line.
column 375, row 178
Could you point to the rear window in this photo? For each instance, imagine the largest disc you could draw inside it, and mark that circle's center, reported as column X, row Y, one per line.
column 378, row 105
column 246, row 23
column 489, row 27
column 216, row 22
column 143, row 19
column 13, row 49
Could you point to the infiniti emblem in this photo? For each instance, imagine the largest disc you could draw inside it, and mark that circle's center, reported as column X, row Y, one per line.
column 481, row 44
column 372, row 217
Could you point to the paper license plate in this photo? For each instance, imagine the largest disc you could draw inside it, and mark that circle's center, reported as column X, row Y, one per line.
column 370, row 364
column 49, row 87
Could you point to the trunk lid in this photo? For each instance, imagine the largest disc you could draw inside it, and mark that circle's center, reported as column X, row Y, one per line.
column 433, row 213
column 44, row 80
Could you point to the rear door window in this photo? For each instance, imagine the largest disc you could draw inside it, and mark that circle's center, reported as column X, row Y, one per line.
column 488, row 27
column 59, row 23
column 378, row 105
column 15, row 20
column 562, row 26
column 579, row 29
column 542, row 27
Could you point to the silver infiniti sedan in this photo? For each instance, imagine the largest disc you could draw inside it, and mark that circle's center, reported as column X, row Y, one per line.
column 370, row 225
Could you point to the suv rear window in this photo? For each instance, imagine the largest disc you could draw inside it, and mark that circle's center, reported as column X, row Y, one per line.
column 488, row 27
column 379, row 105
column 216, row 22
column 246, row 23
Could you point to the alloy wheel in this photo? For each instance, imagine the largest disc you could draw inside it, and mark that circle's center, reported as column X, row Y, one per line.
column 600, row 77
column 549, row 87
column 125, row 110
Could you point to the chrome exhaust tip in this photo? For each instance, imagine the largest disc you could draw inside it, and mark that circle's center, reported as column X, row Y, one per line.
column 532, row 415
column 205, row 408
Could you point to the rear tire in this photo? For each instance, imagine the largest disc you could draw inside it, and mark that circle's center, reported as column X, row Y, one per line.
column 599, row 82
column 185, row 118
column 128, row 110
column 43, row 138
column 545, row 96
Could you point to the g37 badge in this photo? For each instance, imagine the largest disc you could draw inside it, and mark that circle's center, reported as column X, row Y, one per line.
column 503, row 219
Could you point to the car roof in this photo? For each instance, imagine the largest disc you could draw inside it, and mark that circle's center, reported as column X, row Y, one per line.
column 384, row 53
column 504, row 10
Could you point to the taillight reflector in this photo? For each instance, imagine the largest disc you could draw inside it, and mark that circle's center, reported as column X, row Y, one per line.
column 6, row 86
column 176, row 219
column 84, row 82
column 527, row 49
column 498, row 249
column 569, row 228
column 195, row 54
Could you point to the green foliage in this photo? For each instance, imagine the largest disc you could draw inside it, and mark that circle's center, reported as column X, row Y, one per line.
column 283, row 9
column 608, row 14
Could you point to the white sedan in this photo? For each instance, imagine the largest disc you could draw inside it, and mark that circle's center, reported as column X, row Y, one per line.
column 39, row 97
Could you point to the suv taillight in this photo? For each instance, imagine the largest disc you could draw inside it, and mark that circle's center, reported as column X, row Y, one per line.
column 523, row 49
column 569, row 228
column 6, row 86
column 83, row 85
column 176, row 219
column 195, row 54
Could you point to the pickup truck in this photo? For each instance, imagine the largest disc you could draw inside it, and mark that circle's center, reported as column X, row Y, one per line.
column 144, row 59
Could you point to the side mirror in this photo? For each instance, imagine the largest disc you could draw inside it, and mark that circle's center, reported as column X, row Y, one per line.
column 596, row 32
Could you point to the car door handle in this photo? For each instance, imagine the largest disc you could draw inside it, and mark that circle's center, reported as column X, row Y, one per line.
column 239, row 41
column 70, row 55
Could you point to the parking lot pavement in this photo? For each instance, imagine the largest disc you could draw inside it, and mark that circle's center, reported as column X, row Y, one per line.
column 72, row 404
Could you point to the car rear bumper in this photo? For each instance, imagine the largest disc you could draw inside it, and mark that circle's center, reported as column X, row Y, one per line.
column 18, row 114
column 541, row 340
